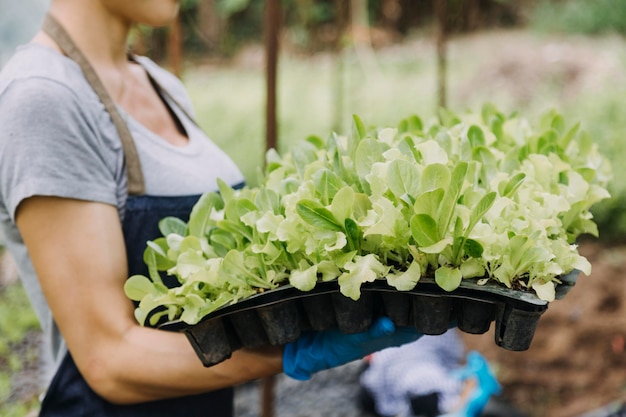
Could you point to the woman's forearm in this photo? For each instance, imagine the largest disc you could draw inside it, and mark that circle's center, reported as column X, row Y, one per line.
column 151, row 364
column 82, row 275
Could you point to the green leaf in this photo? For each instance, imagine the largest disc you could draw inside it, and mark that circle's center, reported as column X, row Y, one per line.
column 545, row 290
column 363, row 269
column 451, row 197
column 558, row 123
column 407, row 280
column 447, row 117
column 359, row 127
column 189, row 263
column 518, row 245
column 200, row 217
column 472, row 248
column 403, row 178
column 429, row 202
column 191, row 243
column 449, row 279
column 226, row 191
column 406, row 145
column 327, row 183
column 318, row 216
column 567, row 138
column 424, row 230
column 489, row 113
column 156, row 254
column 476, row 136
column 513, row 184
column 267, row 200
column 302, row 155
column 458, row 227
column 159, row 246
column 305, row 279
column 367, row 154
column 361, row 205
column 169, row 225
column 316, row 141
column 328, row 270
column 335, row 155
column 237, row 208
column 547, row 143
column 223, row 239
column 437, row 247
column 483, row 206
column 435, row 176
column 488, row 163
column 342, row 205
column 497, row 127
column 472, row 268
column 150, row 259
column 411, row 124
column 137, row 287
column 353, row 234
column 236, row 229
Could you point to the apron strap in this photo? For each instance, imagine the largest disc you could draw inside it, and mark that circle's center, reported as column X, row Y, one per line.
column 134, row 174
column 162, row 91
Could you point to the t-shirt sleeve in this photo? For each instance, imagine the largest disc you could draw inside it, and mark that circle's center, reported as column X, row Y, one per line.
column 50, row 145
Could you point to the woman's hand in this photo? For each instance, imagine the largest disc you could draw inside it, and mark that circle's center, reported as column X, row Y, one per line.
column 316, row 351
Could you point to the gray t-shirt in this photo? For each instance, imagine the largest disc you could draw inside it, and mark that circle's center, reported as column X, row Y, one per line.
column 56, row 139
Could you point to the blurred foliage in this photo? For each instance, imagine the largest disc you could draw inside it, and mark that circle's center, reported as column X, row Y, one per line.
column 581, row 16
column 603, row 117
column 520, row 71
column 603, row 113
column 17, row 319
column 221, row 27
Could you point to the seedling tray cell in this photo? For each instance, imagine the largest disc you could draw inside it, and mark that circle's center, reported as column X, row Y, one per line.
column 354, row 316
column 281, row 315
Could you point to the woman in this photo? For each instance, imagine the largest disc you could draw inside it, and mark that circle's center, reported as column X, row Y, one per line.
column 95, row 147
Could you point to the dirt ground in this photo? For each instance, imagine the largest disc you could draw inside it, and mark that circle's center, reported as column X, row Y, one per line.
column 577, row 360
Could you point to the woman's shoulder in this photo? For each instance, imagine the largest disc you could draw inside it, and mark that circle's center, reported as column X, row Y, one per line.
column 41, row 70
column 33, row 60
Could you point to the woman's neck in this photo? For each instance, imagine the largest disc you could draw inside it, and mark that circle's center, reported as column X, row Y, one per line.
column 101, row 35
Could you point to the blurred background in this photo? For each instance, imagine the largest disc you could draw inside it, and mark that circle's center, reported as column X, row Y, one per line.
column 384, row 60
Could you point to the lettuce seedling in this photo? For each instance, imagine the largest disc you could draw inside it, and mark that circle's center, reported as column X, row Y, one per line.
column 484, row 197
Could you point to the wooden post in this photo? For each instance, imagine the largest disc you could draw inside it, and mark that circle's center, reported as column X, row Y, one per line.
column 442, row 62
column 267, row 396
column 271, row 30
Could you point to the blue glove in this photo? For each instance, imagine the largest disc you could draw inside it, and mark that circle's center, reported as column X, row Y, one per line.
column 316, row 351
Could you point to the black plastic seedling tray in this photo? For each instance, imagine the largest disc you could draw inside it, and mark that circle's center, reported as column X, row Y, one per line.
column 279, row 316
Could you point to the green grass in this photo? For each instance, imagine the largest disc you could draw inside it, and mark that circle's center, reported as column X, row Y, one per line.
column 230, row 100
column 581, row 16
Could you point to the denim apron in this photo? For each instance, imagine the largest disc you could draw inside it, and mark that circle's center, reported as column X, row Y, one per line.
column 69, row 395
